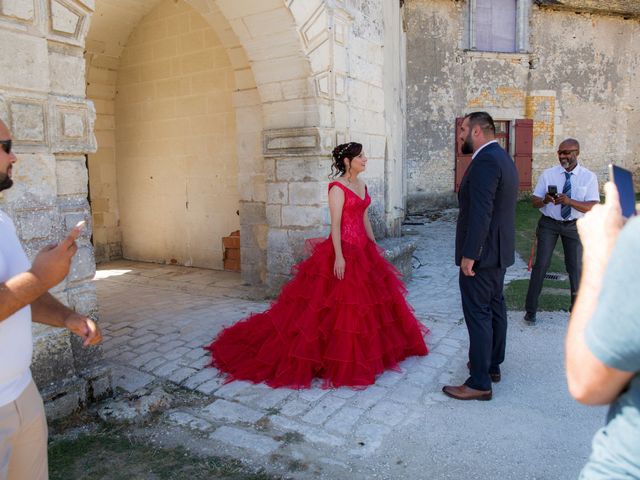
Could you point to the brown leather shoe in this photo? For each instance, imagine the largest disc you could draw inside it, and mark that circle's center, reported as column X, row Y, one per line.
column 495, row 377
column 464, row 392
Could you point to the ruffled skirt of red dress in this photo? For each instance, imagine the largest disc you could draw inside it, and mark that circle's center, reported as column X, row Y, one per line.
column 345, row 332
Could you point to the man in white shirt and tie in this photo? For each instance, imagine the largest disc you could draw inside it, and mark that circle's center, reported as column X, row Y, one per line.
column 577, row 192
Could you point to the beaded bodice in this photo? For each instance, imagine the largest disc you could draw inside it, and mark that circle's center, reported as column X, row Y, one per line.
column 352, row 225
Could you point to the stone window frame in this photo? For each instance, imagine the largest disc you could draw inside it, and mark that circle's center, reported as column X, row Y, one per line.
column 523, row 13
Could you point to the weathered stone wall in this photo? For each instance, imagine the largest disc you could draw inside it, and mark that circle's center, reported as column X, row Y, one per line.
column 592, row 63
column 395, row 105
column 611, row 7
column 42, row 100
column 176, row 163
column 344, row 82
column 308, row 74
column 579, row 79
column 435, row 98
column 102, row 52
column 365, row 99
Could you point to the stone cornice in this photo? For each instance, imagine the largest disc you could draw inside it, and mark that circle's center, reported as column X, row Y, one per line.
column 627, row 8
column 297, row 142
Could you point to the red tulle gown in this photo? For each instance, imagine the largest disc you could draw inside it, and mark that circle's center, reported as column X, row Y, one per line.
column 345, row 332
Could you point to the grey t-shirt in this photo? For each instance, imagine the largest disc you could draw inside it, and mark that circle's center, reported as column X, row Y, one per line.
column 613, row 336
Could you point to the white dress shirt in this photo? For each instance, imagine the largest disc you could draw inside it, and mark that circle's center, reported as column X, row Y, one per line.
column 584, row 188
column 475, row 154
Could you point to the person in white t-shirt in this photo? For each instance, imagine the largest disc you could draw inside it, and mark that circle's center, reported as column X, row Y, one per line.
column 24, row 298
column 563, row 194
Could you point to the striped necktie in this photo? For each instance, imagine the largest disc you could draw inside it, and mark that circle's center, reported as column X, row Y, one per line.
column 565, row 210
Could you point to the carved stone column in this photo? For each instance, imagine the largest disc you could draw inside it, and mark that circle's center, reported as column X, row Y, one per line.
column 42, row 99
column 297, row 164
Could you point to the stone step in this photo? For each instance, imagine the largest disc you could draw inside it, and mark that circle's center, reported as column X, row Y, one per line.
column 399, row 251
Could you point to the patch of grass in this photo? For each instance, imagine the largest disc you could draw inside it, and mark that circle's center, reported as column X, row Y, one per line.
column 516, row 292
column 109, row 454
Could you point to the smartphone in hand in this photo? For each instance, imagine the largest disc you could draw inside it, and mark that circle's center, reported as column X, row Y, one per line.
column 552, row 190
column 623, row 180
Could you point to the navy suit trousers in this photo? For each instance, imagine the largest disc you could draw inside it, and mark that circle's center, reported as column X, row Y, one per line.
column 485, row 314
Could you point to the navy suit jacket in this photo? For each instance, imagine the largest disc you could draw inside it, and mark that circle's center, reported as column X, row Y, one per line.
column 487, row 199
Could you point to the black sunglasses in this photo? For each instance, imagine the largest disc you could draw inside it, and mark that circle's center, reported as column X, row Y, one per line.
column 6, row 146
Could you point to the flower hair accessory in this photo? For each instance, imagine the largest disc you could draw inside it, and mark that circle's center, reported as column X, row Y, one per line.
column 344, row 149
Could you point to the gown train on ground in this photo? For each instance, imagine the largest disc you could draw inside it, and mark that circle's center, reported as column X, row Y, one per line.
column 345, row 332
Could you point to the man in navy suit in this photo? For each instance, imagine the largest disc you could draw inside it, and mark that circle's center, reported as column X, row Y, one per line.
column 485, row 244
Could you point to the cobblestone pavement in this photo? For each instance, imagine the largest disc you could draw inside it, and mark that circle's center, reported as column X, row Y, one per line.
column 156, row 320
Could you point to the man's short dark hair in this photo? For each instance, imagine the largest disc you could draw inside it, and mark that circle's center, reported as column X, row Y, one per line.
column 483, row 120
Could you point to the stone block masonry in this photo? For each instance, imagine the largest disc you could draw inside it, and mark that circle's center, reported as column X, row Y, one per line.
column 447, row 79
column 42, row 100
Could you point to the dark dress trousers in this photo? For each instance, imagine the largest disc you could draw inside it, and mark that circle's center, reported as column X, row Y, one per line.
column 485, row 232
column 547, row 234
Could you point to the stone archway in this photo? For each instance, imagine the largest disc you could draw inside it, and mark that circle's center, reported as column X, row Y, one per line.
column 308, row 74
column 273, row 91
column 177, row 168
column 164, row 181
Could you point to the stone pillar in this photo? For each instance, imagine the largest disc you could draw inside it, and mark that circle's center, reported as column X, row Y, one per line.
column 298, row 162
column 252, row 189
column 346, row 52
column 42, row 99
column 346, row 102
column 394, row 108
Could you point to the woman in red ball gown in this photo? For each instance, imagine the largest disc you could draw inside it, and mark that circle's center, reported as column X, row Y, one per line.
column 342, row 318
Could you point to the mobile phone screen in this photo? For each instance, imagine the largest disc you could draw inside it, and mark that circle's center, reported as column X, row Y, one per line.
column 624, row 183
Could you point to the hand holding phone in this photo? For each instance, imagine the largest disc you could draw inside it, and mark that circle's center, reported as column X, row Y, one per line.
column 552, row 193
column 52, row 263
column 623, row 179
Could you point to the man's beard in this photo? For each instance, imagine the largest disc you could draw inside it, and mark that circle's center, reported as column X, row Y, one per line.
column 467, row 146
column 5, row 182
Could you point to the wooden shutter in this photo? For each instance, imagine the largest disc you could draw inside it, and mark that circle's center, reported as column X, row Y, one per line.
column 523, row 153
column 462, row 161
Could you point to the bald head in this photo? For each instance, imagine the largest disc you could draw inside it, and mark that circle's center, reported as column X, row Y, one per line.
column 569, row 143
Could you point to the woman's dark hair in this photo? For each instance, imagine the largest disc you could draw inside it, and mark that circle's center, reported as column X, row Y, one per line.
column 340, row 153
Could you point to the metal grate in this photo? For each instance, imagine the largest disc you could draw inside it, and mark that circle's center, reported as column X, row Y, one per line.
column 555, row 276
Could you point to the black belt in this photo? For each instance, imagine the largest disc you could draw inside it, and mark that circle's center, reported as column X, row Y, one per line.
column 563, row 221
